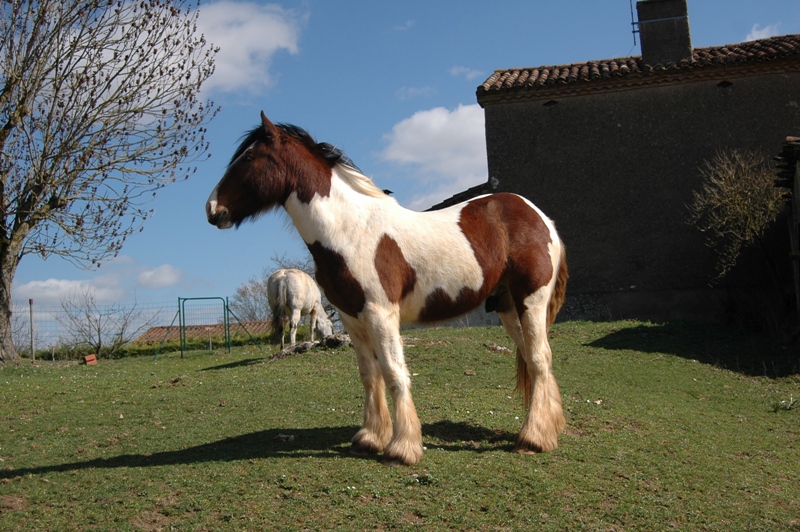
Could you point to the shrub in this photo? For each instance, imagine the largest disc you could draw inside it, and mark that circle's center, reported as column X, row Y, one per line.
column 736, row 203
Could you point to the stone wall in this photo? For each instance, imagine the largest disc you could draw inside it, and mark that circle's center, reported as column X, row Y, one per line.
column 616, row 171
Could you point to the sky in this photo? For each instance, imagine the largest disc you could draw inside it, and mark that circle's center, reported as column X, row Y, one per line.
column 391, row 83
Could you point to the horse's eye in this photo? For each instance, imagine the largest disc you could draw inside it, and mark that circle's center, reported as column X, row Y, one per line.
column 248, row 158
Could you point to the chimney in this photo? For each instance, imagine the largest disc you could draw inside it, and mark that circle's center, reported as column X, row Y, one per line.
column 664, row 31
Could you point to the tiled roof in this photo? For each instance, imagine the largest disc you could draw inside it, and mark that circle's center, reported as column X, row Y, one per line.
column 593, row 74
column 156, row 335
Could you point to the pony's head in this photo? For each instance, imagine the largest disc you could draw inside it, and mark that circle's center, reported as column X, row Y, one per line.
column 271, row 162
column 324, row 325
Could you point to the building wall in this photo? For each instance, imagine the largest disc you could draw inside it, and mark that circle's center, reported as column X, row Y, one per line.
column 616, row 170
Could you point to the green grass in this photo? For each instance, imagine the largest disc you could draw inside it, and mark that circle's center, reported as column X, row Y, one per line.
column 660, row 436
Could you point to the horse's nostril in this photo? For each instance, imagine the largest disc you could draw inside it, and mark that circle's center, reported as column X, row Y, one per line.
column 219, row 217
column 216, row 214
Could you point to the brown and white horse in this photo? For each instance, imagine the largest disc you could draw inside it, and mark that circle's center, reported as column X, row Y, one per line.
column 292, row 294
column 382, row 265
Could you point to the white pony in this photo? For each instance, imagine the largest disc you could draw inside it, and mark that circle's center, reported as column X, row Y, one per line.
column 292, row 294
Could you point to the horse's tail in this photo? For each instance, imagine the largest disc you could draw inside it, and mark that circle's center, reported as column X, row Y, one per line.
column 278, row 311
column 553, row 306
column 560, row 289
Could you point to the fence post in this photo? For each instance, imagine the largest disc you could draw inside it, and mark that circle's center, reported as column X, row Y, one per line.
column 33, row 348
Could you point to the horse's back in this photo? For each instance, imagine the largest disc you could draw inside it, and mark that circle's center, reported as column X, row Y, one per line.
column 468, row 250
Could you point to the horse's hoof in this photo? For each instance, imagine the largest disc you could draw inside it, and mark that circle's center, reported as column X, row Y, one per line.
column 363, row 450
column 526, row 450
column 398, row 461
column 528, row 447
column 403, row 456
column 392, row 462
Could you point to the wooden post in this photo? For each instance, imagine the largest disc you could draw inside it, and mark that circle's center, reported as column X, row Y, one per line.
column 33, row 347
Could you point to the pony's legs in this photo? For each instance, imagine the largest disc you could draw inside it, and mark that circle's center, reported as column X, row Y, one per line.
column 383, row 327
column 293, row 322
column 376, row 430
column 313, row 317
column 545, row 418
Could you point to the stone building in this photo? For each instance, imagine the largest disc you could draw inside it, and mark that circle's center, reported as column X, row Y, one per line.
column 611, row 149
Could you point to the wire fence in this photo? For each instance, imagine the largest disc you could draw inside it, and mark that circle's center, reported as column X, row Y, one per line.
column 66, row 331
column 42, row 328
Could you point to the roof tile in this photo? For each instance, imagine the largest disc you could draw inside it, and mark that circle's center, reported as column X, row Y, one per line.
column 762, row 50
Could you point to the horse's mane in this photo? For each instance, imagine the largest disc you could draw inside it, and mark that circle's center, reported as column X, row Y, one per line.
column 347, row 169
column 359, row 182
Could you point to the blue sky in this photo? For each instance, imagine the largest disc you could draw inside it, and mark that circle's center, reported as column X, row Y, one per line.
column 391, row 83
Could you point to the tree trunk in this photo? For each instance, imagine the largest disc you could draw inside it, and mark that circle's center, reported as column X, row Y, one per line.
column 8, row 267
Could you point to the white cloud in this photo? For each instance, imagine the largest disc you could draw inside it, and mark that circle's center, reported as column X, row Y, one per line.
column 757, row 32
column 447, row 148
column 51, row 291
column 164, row 276
column 407, row 25
column 405, row 93
column 248, row 35
column 468, row 73
column 119, row 282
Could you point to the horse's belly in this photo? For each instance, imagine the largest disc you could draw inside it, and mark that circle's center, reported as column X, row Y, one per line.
column 436, row 304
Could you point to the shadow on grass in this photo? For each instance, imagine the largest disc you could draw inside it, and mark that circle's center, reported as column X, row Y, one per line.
column 746, row 353
column 459, row 436
column 325, row 442
column 238, row 364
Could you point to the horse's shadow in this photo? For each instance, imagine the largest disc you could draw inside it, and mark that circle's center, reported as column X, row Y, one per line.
column 238, row 364
column 324, row 442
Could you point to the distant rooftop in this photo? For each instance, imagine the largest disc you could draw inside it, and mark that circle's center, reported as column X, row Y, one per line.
column 216, row 331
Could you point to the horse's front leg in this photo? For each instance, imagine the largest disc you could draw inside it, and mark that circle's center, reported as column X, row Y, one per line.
column 376, row 430
column 383, row 327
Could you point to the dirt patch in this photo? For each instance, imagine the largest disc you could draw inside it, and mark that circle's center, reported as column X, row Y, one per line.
column 150, row 521
column 13, row 503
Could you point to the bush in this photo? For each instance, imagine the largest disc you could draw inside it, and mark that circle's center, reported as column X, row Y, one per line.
column 736, row 204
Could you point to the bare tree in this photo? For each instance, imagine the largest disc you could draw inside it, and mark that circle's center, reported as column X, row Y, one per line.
column 104, row 330
column 250, row 302
column 98, row 110
column 736, row 204
column 305, row 264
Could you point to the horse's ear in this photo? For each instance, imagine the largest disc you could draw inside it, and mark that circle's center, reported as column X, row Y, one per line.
column 269, row 127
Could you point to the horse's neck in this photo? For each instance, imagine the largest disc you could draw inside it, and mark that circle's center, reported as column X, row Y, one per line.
column 344, row 211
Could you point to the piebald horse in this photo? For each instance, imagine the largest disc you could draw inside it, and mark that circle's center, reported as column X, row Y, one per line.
column 382, row 265
column 293, row 293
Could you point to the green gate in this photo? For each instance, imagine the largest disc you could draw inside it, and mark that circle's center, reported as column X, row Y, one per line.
column 181, row 316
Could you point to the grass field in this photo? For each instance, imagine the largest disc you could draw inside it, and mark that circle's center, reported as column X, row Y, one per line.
column 674, row 426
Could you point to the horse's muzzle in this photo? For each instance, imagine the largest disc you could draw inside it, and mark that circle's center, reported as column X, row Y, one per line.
column 218, row 216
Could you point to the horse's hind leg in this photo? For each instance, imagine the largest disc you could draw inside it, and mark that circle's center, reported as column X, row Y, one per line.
column 312, row 316
column 376, row 430
column 545, row 419
column 294, row 320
